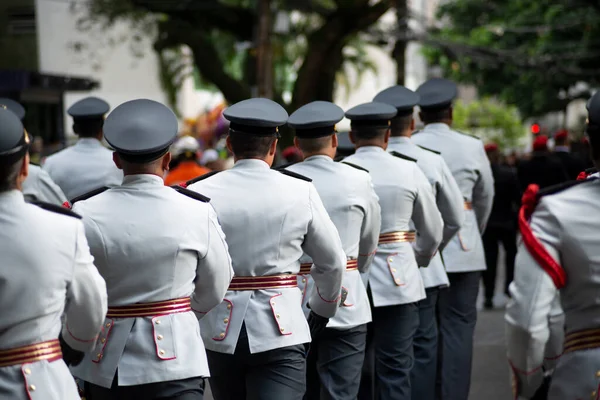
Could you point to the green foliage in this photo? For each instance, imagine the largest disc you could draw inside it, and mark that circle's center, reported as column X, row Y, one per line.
column 528, row 53
column 220, row 33
column 491, row 121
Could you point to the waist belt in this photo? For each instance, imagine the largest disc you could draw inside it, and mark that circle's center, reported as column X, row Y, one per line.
column 263, row 282
column 351, row 265
column 468, row 205
column 49, row 351
column 582, row 340
column 150, row 309
column 394, row 237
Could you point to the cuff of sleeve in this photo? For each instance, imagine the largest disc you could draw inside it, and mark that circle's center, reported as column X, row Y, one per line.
column 322, row 305
column 75, row 341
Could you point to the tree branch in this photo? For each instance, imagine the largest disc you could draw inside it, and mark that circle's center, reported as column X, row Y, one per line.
column 206, row 58
column 327, row 43
column 206, row 14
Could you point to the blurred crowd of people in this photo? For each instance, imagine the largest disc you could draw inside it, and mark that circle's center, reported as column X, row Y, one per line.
column 544, row 166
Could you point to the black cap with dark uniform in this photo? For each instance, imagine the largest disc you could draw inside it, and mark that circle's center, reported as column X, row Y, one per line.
column 141, row 130
column 259, row 117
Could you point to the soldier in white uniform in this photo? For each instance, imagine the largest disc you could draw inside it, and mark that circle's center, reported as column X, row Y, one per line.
column 88, row 164
column 39, row 284
column 255, row 338
column 463, row 256
column 449, row 201
column 394, row 280
column 349, row 198
column 559, row 252
column 164, row 257
column 38, row 186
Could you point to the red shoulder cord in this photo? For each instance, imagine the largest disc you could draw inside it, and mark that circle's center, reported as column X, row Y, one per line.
column 534, row 246
column 66, row 204
column 582, row 176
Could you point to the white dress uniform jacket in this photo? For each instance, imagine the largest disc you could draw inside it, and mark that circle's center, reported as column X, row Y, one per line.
column 46, row 269
column 448, row 198
column 83, row 167
column 271, row 219
column 353, row 206
column 466, row 158
column 404, row 195
column 566, row 225
column 152, row 244
column 39, row 186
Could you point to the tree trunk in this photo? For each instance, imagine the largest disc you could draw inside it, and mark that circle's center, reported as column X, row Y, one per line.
column 399, row 51
column 316, row 77
column 264, row 57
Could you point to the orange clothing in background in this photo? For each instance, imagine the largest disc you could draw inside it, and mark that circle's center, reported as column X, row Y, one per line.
column 185, row 171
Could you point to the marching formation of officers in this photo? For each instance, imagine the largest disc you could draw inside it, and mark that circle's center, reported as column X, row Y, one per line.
column 316, row 280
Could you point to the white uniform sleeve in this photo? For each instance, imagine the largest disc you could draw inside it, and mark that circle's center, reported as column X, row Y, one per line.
column 527, row 314
column 369, row 231
column 450, row 202
column 86, row 299
column 214, row 272
column 427, row 220
column 48, row 190
column 322, row 243
column 483, row 191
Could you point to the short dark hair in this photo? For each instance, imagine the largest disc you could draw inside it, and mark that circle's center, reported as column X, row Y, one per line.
column 312, row 145
column 430, row 116
column 9, row 174
column 368, row 133
column 88, row 127
column 245, row 145
column 400, row 124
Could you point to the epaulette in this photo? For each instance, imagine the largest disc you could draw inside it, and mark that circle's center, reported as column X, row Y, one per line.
column 592, row 170
column 467, row 134
column 355, row 166
column 339, row 158
column 431, row 150
column 89, row 194
column 400, row 155
column 294, row 175
column 56, row 209
column 285, row 165
column 561, row 187
column 191, row 193
column 198, row 179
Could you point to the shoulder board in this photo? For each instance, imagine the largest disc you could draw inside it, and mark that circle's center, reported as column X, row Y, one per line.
column 431, row 150
column 355, row 166
column 191, row 193
column 285, row 165
column 56, row 209
column 400, row 155
column 467, row 134
column 339, row 158
column 201, row 177
column 88, row 195
column 590, row 171
column 561, row 187
column 294, row 175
